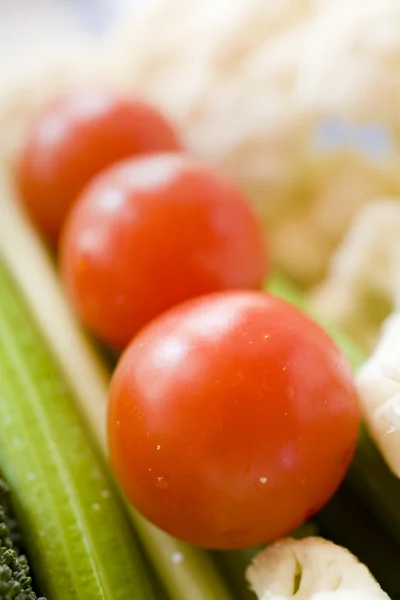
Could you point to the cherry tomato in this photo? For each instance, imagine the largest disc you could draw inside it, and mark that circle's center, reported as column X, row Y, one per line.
column 150, row 233
column 76, row 137
column 232, row 419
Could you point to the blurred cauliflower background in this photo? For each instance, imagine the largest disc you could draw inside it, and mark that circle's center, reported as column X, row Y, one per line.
column 296, row 100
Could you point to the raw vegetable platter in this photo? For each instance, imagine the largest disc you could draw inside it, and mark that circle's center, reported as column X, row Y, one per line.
column 179, row 420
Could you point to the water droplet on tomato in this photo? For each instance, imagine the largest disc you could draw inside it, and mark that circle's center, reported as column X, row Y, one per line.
column 162, row 483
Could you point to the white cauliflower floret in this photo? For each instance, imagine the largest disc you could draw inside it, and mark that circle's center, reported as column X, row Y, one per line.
column 334, row 187
column 349, row 84
column 363, row 281
column 311, row 569
column 350, row 67
column 378, row 385
column 162, row 49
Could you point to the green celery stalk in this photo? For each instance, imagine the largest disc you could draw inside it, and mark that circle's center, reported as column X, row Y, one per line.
column 79, row 542
column 233, row 563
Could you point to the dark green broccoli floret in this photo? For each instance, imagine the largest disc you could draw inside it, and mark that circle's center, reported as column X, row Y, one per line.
column 15, row 581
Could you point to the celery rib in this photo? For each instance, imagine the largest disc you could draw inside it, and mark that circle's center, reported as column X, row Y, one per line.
column 79, row 541
column 29, row 388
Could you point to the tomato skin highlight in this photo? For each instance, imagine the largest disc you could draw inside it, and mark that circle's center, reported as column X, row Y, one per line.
column 232, row 419
column 150, row 233
column 76, row 137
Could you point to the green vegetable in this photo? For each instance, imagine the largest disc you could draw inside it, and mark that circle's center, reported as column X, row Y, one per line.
column 79, row 542
column 234, row 563
column 15, row 579
column 347, row 522
column 373, row 483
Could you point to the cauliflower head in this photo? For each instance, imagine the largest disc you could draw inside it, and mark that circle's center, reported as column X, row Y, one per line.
column 362, row 285
column 349, row 86
column 311, row 569
column 378, row 383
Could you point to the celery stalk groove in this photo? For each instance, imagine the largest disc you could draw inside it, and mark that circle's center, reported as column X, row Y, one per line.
column 79, row 540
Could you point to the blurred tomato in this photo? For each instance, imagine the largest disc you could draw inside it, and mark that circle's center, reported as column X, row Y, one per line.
column 149, row 233
column 73, row 139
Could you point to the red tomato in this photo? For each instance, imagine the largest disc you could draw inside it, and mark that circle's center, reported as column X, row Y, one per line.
column 76, row 137
column 150, row 233
column 232, row 419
